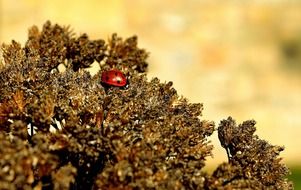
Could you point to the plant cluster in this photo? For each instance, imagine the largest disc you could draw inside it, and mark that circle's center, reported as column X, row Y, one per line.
column 62, row 129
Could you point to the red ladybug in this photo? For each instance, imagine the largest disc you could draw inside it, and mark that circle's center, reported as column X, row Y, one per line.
column 113, row 78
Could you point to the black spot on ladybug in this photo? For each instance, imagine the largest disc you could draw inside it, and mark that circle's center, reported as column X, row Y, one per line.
column 107, row 78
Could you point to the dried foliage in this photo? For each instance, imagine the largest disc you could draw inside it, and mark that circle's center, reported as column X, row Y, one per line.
column 253, row 163
column 87, row 136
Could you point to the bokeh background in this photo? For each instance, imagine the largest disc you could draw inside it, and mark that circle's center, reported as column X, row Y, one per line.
column 239, row 58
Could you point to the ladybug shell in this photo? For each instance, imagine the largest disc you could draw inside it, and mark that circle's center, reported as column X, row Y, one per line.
column 113, row 78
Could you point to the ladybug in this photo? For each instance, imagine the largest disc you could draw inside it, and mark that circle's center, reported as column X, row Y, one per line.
column 113, row 78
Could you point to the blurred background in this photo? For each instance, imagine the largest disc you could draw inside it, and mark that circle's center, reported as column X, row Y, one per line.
column 239, row 58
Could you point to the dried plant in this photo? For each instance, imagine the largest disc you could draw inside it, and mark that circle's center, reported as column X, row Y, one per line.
column 62, row 129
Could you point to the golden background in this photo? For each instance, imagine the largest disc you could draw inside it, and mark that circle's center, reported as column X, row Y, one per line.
column 239, row 58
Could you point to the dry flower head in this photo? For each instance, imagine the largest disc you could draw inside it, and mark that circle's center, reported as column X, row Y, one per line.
column 87, row 136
